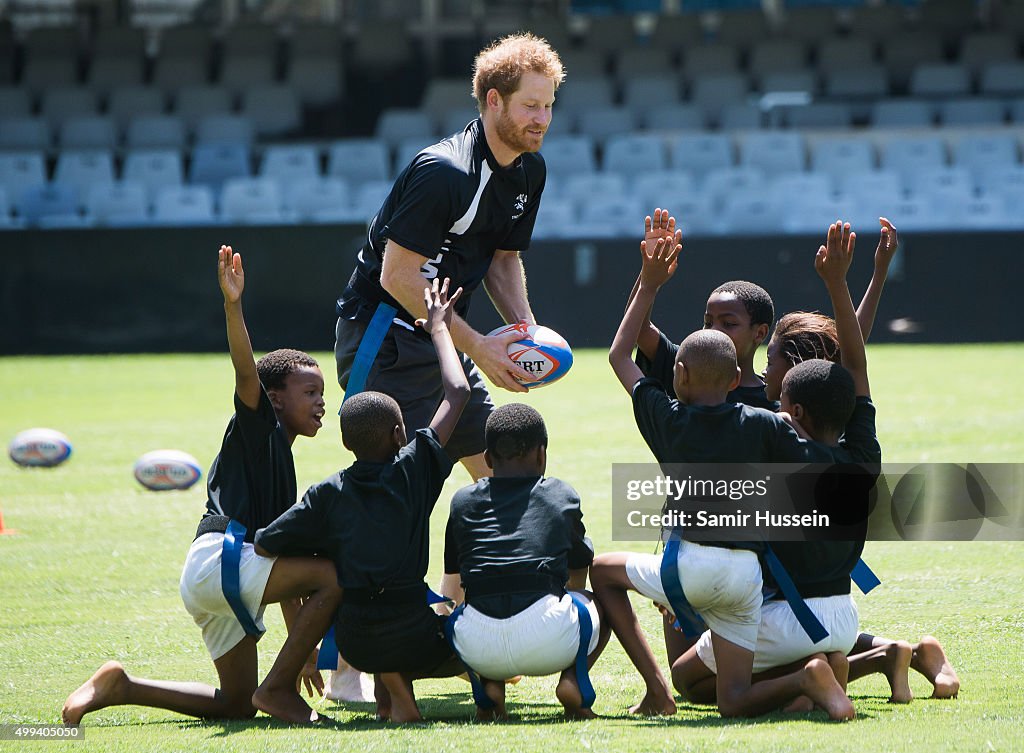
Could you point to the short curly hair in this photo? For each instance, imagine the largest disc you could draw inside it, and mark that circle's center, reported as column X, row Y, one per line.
column 803, row 335
column 501, row 65
column 367, row 420
column 514, row 430
column 755, row 300
column 276, row 365
column 709, row 356
column 825, row 390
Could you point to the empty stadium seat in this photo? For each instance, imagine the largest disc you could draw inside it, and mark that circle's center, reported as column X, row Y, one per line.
column 740, row 116
column 844, row 53
column 981, row 152
column 972, row 111
column 940, row 80
column 127, row 102
column 777, row 55
column 819, row 115
column 397, row 124
column 879, row 186
column 151, row 131
column 59, row 104
column 225, row 129
column 713, row 91
column 273, row 110
column 287, row 164
column 184, row 205
column 802, row 183
column 118, row 204
column 106, row 73
column 251, row 201
column 662, row 188
column 867, row 82
column 657, row 89
column 681, row 117
column 316, row 81
column 15, row 102
column 567, row 155
column 369, row 197
column 710, row 58
column 24, row 134
column 456, row 120
column 46, row 74
column 315, row 197
column 947, row 182
column 407, row 150
column 581, row 188
column 634, row 153
column 902, row 113
column 172, row 74
column 701, row 153
column 193, row 103
column 608, row 216
column 212, row 164
column 790, row 81
column 358, row 160
column 1002, row 79
column 442, row 95
column 582, row 92
column 83, row 169
column 556, row 218
column 88, row 132
column 908, row 155
column 602, row 123
column 154, row 169
column 20, row 171
column 241, row 72
column 750, row 213
column 773, row 152
column 637, row 63
column 50, row 200
column 725, row 181
column 980, row 49
column 840, row 156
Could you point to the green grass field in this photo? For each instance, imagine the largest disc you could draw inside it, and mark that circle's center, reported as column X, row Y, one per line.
column 92, row 573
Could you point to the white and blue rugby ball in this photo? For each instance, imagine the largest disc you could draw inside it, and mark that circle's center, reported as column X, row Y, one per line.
column 166, row 470
column 541, row 351
column 39, row 448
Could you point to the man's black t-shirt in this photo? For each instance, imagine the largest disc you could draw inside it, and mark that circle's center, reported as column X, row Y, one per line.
column 252, row 479
column 661, row 367
column 455, row 206
column 510, row 528
column 371, row 519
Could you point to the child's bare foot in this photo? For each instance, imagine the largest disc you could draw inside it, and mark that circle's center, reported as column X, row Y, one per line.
column 383, row 698
column 496, row 692
column 931, row 661
column 897, row 668
column 820, row 684
column 568, row 693
column 286, row 705
column 799, row 705
column 655, row 704
column 403, row 703
column 107, row 687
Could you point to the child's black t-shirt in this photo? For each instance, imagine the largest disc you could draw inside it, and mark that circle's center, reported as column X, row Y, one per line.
column 661, row 367
column 372, row 519
column 505, row 532
column 252, row 479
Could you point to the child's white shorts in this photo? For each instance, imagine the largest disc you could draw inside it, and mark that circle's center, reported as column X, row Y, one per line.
column 204, row 599
column 781, row 640
column 723, row 585
column 540, row 640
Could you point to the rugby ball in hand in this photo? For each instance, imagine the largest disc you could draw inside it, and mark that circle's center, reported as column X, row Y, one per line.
column 164, row 470
column 39, row 448
column 541, row 351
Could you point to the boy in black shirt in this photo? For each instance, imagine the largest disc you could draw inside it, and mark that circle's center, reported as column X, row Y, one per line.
column 517, row 541
column 251, row 482
column 372, row 519
column 722, row 581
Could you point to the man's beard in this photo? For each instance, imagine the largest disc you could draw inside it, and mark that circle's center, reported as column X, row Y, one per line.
column 515, row 138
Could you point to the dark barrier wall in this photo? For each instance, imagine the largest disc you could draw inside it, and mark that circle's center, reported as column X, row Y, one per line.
column 88, row 291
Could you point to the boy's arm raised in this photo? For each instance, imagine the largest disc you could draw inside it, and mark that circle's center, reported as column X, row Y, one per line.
column 888, row 244
column 658, row 266
column 453, row 379
column 658, row 225
column 232, row 282
column 832, row 263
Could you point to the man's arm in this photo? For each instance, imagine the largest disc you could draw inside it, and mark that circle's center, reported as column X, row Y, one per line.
column 232, row 282
column 440, row 310
column 505, row 283
column 832, row 263
column 658, row 266
column 402, row 277
column 888, row 244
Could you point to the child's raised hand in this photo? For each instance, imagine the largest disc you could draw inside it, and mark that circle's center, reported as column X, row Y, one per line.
column 440, row 307
column 833, row 259
column 659, row 225
column 888, row 243
column 658, row 262
column 230, row 274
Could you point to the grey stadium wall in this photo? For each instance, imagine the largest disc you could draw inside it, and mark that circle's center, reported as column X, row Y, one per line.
column 127, row 290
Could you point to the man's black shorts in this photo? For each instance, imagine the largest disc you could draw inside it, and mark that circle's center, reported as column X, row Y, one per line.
column 406, row 368
column 392, row 639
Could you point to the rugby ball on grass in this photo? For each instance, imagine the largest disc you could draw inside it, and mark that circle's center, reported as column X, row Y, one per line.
column 165, row 470
column 541, row 351
column 39, row 448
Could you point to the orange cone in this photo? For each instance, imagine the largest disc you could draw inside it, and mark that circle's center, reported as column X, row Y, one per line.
column 2, row 529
